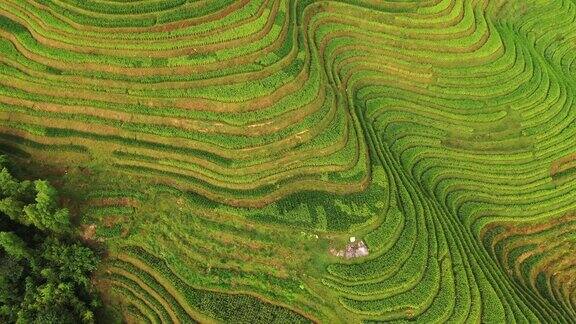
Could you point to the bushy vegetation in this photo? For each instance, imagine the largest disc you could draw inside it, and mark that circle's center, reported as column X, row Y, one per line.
column 45, row 275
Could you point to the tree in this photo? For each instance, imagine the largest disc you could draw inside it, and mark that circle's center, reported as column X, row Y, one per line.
column 13, row 245
column 70, row 262
column 12, row 208
column 14, row 195
column 44, row 271
column 45, row 214
column 11, row 291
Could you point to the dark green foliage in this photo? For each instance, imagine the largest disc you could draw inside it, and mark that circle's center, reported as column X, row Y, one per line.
column 32, row 203
column 57, row 288
column 13, row 245
column 44, row 274
column 45, row 214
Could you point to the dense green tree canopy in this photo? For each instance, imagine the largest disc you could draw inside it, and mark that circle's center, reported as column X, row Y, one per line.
column 44, row 273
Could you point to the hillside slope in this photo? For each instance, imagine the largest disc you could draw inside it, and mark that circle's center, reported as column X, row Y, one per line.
column 221, row 148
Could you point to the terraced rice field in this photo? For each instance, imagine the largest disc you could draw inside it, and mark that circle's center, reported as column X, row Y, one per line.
column 220, row 148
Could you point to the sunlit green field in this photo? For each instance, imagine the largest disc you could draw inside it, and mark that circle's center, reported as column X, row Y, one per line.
column 218, row 150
